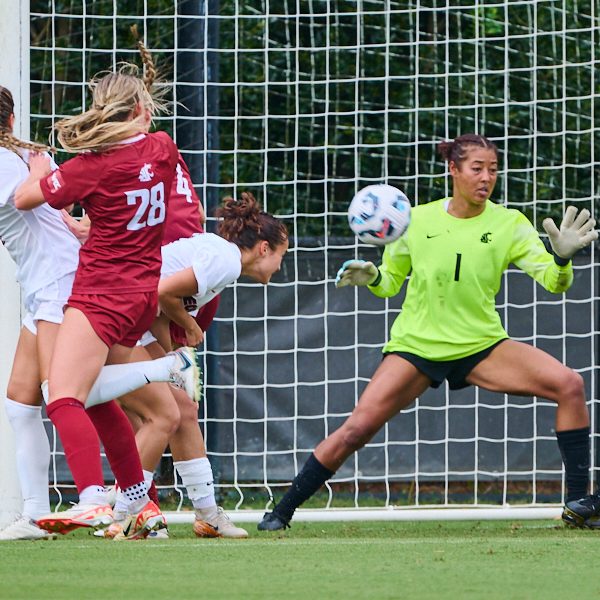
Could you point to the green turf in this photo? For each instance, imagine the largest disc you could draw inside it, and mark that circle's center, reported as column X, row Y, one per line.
column 488, row 560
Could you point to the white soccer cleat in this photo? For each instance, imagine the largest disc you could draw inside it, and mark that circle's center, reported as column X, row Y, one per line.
column 139, row 526
column 158, row 534
column 80, row 515
column 213, row 522
column 115, row 528
column 186, row 372
column 23, row 528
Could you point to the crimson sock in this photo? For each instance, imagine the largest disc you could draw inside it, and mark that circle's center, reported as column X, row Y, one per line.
column 153, row 494
column 80, row 441
column 118, row 439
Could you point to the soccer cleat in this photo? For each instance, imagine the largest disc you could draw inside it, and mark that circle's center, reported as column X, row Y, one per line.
column 271, row 521
column 582, row 512
column 24, row 528
column 115, row 528
column 213, row 522
column 186, row 372
column 158, row 534
column 80, row 515
column 137, row 527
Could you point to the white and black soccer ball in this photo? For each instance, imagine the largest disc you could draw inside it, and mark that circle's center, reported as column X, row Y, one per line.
column 379, row 214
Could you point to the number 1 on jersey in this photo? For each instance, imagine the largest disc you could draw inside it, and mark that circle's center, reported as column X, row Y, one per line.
column 457, row 267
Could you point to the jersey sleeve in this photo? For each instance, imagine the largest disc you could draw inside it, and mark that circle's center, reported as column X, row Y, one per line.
column 394, row 268
column 11, row 175
column 70, row 183
column 171, row 147
column 529, row 254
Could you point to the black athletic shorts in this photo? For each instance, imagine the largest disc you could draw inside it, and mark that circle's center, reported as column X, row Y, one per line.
column 455, row 371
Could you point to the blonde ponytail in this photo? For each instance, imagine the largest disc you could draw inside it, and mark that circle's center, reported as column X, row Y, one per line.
column 115, row 98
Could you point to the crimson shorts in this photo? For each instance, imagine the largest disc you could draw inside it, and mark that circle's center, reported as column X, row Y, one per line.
column 455, row 371
column 118, row 318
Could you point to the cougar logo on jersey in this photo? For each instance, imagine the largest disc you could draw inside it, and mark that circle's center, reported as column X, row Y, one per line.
column 56, row 182
column 146, row 173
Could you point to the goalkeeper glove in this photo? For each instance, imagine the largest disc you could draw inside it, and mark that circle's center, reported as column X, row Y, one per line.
column 357, row 272
column 574, row 233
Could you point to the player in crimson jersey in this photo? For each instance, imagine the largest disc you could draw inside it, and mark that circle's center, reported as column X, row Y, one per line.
column 46, row 257
column 151, row 409
column 457, row 250
column 122, row 178
column 186, row 219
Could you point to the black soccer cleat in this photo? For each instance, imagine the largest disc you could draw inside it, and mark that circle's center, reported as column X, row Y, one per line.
column 577, row 512
column 271, row 521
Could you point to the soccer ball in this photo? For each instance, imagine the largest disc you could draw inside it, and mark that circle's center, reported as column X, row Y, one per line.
column 379, row 214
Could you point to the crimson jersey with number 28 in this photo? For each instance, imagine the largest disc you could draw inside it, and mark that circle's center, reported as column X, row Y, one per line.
column 125, row 193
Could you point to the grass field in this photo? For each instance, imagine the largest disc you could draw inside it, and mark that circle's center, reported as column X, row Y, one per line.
column 375, row 560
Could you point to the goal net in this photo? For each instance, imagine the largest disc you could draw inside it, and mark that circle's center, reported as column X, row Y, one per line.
column 303, row 103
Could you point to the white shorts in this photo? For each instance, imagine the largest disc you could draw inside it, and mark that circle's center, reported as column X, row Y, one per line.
column 147, row 339
column 47, row 303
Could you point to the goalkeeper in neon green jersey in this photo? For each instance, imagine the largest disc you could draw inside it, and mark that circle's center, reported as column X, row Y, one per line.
column 456, row 250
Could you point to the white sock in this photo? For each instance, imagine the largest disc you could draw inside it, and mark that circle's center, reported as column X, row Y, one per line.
column 121, row 503
column 116, row 380
column 197, row 477
column 44, row 388
column 148, row 478
column 32, row 456
column 93, row 494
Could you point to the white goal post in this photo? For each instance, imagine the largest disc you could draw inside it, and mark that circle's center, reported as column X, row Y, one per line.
column 14, row 74
column 303, row 103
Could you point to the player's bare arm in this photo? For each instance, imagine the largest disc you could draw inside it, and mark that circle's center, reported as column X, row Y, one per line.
column 29, row 194
column 171, row 292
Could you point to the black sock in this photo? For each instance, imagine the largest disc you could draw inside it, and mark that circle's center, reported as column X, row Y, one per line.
column 312, row 476
column 574, row 448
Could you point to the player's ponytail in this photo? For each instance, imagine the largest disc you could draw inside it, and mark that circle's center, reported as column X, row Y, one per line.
column 457, row 149
column 243, row 223
column 149, row 74
column 112, row 117
column 7, row 139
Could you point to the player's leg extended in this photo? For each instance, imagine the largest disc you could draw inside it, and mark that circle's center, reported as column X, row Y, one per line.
column 192, row 465
column 517, row 368
column 395, row 385
column 32, row 450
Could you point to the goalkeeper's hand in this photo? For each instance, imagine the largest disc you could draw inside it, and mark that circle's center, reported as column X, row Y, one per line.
column 356, row 272
column 575, row 232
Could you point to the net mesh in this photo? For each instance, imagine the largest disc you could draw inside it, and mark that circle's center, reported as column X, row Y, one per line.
column 303, row 103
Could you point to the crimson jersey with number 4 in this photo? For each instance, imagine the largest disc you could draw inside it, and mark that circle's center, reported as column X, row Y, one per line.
column 124, row 192
column 183, row 218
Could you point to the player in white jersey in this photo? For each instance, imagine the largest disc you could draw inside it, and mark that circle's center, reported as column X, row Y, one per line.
column 195, row 270
column 45, row 253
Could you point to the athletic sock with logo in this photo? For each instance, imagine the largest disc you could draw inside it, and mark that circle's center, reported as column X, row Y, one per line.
column 115, row 381
column 312, row 476
column 574, row 446
column 197, row 477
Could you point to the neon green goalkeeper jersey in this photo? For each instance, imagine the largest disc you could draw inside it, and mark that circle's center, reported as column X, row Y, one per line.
column 457, row 265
